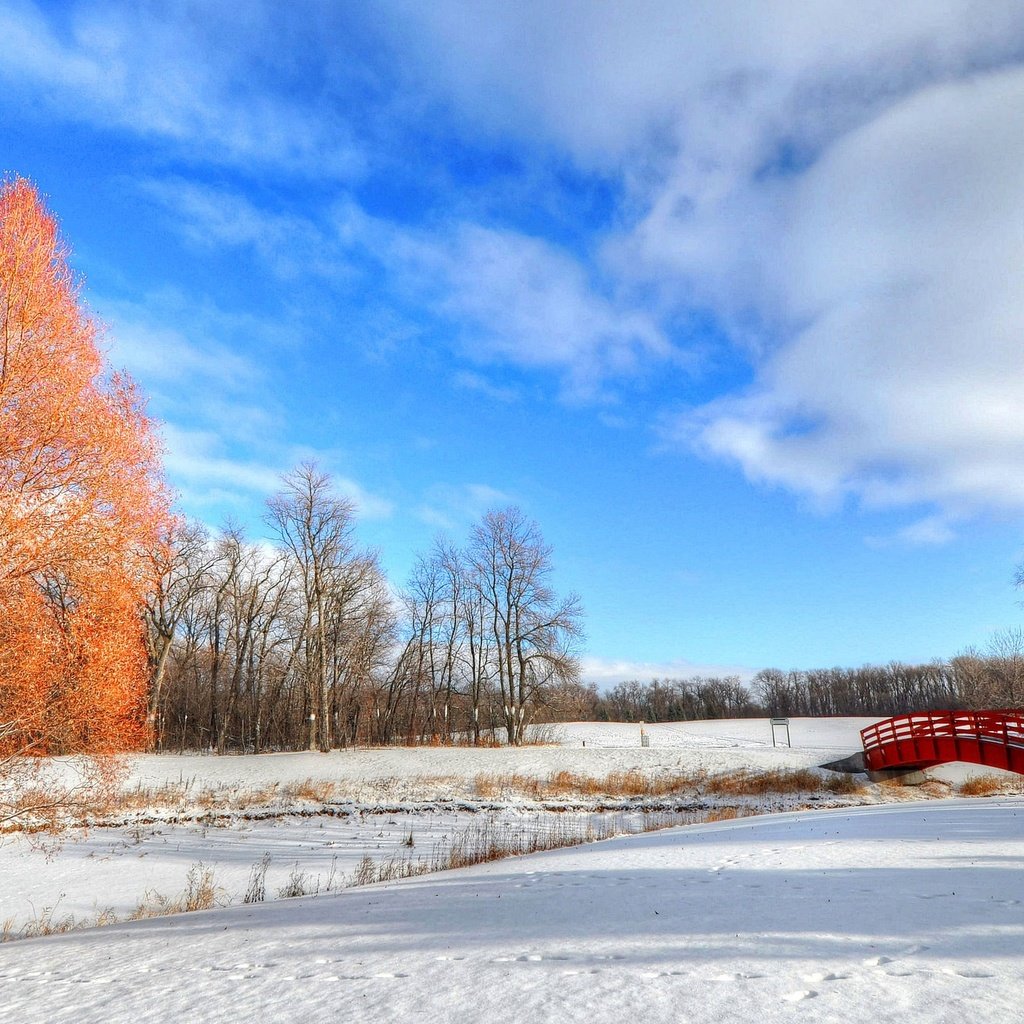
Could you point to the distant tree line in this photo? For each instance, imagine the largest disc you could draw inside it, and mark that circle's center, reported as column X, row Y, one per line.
column 301, row 643
column 675, row 700
column 993, row 678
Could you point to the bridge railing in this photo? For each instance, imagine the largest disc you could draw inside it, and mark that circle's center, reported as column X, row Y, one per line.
column 919, row 736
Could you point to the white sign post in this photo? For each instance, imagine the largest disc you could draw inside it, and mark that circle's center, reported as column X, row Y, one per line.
column 779, row 722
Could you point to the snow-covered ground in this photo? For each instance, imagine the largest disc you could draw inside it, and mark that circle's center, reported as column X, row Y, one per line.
column 594, row 748
column 901, row 912
column 384, row 800
column 908, row 913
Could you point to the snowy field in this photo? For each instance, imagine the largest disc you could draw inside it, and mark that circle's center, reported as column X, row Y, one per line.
column 910, row 911
column 594, row 748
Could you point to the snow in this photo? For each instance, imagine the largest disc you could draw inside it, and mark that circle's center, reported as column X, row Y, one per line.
column 907, row 912
column 710, row 746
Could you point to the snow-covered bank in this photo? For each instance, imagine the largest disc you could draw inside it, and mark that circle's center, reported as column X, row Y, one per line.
column 595, row 748
column 909, row 913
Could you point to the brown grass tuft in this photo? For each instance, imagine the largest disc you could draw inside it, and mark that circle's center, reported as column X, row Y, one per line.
column 316, row 790
column 774, row 781
column 722, row 814
column 565, row 784
column 980, row 785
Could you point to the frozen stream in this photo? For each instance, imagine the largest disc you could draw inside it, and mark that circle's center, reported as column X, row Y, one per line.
column 113, row 870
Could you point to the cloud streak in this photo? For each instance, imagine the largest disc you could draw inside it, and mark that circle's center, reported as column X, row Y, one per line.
column 505, row 298
column 177, row 79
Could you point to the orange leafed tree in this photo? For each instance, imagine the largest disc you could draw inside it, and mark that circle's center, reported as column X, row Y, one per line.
column 82, row 503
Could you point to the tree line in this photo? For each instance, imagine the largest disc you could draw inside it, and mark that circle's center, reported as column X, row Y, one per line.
column 301, row 643
column 989, row 678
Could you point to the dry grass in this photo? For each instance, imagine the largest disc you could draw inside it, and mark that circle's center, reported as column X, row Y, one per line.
column 634, row 784
column 776, row 781
column 723, row 814
column 256, row 891
column 46, row 923
column 201, row 893
column 571, row 784
column 33, row 801
column 184, row 798
column 980, row 785
column 317, row 791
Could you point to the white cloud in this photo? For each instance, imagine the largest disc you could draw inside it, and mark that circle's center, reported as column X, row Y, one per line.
column 899, row 271
column 932, row 531
column 208, row 472
column 511, row 298
column 291, row 245
column 368, row 505
column 835, row 185
column 609, row 671
column 515, row 299
column 225, row 434
column 144, row 342
column 198, row 462
column 606, row 80
column 467, row 380
column 456, row 506
column 524, row 301
column 182, row 80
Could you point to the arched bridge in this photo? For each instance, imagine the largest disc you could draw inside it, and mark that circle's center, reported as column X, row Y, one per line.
column 908, row 742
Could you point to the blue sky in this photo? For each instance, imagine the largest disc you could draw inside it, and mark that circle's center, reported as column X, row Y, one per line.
column 728, row 297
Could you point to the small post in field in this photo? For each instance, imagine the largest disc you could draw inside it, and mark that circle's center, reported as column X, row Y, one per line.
column 781, row 722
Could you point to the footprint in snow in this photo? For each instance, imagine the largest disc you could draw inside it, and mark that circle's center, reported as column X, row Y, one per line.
column 796, row 997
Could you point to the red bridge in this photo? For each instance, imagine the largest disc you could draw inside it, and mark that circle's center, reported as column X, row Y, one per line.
column 907, row 742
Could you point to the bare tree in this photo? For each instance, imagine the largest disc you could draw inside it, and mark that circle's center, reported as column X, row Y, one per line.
column 315, row 524
column 181, row 570
column 1006, row 650
column 533, row 632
